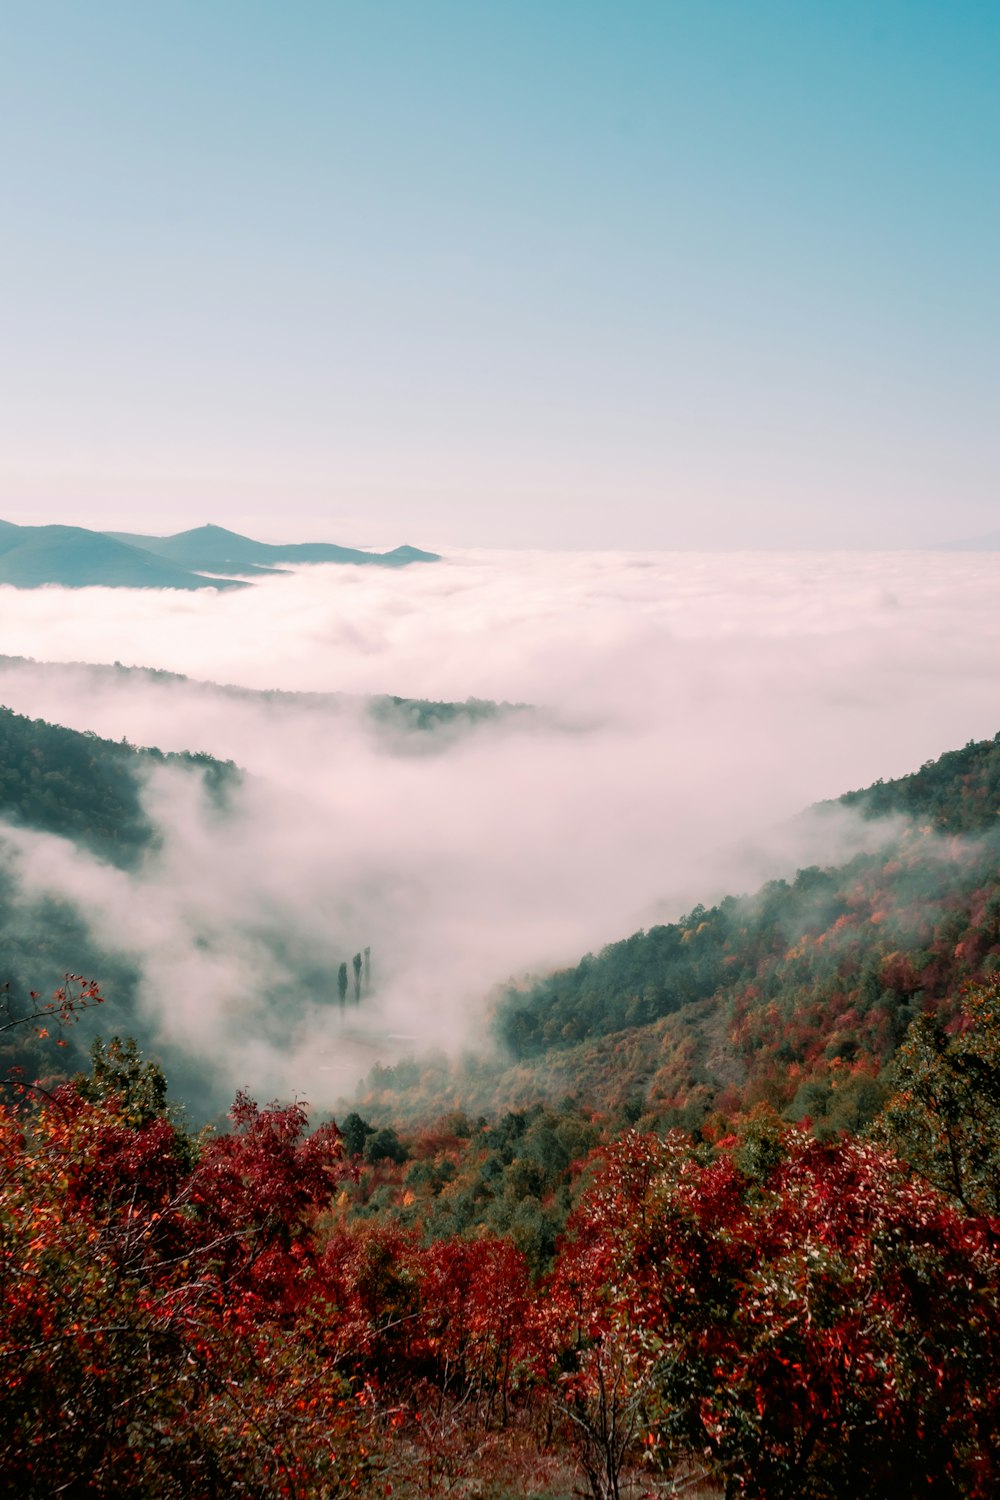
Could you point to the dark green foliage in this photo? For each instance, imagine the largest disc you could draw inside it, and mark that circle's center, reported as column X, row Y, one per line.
column 958, row 793
column 652, row 974
column 40, row 943
column 384, row 1145
column 118, row 1071
column 745, row 940
column 354, row 1130
column 76, row 785
column 86, row 788
column 796, row 996
column 943, row 1116
column 514, row 1178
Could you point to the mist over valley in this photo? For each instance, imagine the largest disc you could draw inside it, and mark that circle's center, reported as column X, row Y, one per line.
column 499, row 752
column 479, row 771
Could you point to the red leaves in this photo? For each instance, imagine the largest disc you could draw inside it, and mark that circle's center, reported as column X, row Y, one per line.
column 806, row 1315
column 812, row 1318
column 257, row 1188
column 113, row 1315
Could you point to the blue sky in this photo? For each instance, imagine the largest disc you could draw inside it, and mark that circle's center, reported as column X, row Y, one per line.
column 561, row 273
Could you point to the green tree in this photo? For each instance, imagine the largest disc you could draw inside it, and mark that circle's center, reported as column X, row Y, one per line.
column 384, row 1145
column 943, row 1116
column 354, row 1131
column 118, row 1071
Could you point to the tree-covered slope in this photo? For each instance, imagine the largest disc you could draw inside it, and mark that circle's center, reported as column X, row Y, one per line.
column 797, row 994
column 86, row 790
column 82, row 787
column 957, row 793
column 397, row 718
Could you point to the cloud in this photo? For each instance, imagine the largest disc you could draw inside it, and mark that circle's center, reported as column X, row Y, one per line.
column 688, row 707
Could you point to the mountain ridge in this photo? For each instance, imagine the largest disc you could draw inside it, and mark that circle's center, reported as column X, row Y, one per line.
column 216, row 549
column 389, row 711
column 205, row 557
column 74, row 557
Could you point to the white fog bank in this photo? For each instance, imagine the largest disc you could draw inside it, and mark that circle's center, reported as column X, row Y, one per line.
column 688, row 707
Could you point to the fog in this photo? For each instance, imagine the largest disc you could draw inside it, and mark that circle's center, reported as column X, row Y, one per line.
column 685, row 709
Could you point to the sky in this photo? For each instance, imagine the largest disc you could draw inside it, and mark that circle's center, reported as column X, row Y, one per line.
column 688, row 708
column 545, row 274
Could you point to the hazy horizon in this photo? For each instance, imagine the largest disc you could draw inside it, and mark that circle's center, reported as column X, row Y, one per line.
column 282, row 531
column 639, row 277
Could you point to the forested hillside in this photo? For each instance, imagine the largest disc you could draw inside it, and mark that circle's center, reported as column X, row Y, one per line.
column 797, row 995
column 87, row 790
column 461, row 1288
column 548, row 1306
column 423, row 722
column 957, row 793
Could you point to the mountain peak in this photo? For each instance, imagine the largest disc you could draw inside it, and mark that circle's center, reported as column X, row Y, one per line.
column 208, row 532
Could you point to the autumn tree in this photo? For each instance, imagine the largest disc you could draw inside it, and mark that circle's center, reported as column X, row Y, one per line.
column 596, row 1324
column 474, row 1303
column 815, row 1322
column 150, row 1311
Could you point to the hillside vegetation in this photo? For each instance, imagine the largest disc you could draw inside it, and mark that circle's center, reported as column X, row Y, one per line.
column 795, row 1294
column 262, row 1311
column 797, row 995
column 89, row 791
column 425, row 723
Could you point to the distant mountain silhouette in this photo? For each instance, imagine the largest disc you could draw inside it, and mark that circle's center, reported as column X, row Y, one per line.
column 213, row 549
column 31, row 556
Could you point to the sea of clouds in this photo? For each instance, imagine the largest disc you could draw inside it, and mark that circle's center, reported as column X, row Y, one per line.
column 687, row 707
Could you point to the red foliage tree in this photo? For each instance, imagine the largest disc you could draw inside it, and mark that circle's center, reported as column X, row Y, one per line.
column 816, row 1324
column 138, row 1353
